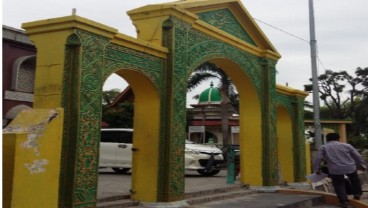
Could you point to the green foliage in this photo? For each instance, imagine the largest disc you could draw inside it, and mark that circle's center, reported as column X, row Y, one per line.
column 360, row 122
column 109, row 96
column 208, row 71
column 344, row 97
column 229, row 95
column 120, row 116
column 358, row 142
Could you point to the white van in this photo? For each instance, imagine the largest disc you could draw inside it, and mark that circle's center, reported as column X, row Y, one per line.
column 116, row 153
column 116, row 149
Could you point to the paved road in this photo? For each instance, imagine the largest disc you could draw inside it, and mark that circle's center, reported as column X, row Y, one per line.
column 110, row 183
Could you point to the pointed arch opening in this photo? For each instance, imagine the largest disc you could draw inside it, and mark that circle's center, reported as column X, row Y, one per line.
column 145, row 148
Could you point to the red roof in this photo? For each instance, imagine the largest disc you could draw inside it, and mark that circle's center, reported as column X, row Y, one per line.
column 126, row 95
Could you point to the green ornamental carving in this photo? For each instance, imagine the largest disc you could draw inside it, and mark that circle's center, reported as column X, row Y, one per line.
column 91, row 81
column 91, row 58
column 226, row 21
column 193, row 48
column 98, row 60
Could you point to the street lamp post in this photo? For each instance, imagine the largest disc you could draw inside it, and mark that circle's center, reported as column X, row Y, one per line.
column 313, row 42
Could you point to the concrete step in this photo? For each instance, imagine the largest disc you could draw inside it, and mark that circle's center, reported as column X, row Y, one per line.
column 114, row 198
column 268, row 200
column 214, row 191
column 234, row 196
column 216, row 195
column 117, row 201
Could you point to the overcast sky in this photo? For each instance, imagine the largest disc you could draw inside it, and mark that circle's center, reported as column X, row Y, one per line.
column 341, row 28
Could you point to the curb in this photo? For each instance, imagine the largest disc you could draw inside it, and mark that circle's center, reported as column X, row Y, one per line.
column 328, row 198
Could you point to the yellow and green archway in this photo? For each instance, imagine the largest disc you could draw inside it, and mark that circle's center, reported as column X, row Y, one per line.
column 76, row 55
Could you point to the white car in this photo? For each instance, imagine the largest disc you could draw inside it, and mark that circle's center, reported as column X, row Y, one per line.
column 116, row 153
column 206, row 159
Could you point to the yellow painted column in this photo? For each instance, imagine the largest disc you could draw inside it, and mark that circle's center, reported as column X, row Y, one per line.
column 50, row 38
column 31, row 163
column 49, row 68
column 285, row 145
column 342, row 131
column 145, row 137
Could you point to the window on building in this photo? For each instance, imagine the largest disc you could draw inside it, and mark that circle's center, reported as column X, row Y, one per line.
column 24, row 74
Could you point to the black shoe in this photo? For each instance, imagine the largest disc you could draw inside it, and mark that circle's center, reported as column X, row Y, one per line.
column 356, row 197
column 345, row 205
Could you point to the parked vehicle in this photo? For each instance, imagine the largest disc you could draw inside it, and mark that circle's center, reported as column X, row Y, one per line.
column 116, row 153
column 116, row 149
column 206, row 159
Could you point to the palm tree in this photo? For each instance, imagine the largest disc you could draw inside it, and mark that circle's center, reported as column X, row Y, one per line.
column 208, row 71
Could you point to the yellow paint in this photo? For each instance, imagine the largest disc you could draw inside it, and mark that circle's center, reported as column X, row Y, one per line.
column 148, row 21
column 140, row 45
column 146, row 136
column 24, row 187
column 8, row 168
column 291, row 91
column 342, row 132
column 250, row 124
column 285, row 145
column 68, row 23
column 341, row 126
column 50, row 37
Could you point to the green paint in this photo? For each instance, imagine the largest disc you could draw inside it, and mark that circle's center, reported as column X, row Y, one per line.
column 90, row 59
column 226, row 21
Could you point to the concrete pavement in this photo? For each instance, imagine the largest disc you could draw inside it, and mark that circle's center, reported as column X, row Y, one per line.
column 111, row 184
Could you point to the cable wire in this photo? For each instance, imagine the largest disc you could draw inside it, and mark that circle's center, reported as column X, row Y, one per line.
column 295, row 36
column 281, row 30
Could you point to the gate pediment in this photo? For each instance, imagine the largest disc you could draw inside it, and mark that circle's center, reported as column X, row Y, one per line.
column 229, row 18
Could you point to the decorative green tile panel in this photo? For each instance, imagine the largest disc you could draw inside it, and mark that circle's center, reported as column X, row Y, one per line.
column 193, row 48
column 226, row 21
column 89, row 114
column 119, row 57
column 197, row 48
column 90, row 59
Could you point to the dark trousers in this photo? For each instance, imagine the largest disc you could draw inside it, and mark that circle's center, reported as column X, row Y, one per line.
column 338, row 182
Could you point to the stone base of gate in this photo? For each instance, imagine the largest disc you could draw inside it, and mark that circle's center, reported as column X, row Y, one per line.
column 176, row 204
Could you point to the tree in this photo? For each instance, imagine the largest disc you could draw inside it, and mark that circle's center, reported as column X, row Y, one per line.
column 345, row 97
column 339, row 90
column 208, row 71
column 362, row 78
column 109, row 96
column 360, row 121
column 119, row 116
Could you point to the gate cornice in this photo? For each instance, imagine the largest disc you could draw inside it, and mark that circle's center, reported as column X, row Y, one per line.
column 153, row 16
column 73, row 22
column 139, row 45
column 69, row 23
column 291, row 91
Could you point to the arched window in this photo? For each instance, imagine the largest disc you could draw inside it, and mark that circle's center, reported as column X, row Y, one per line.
column 24, row 74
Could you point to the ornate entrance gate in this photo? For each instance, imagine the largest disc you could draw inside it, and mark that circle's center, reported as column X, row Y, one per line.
column 76, row 55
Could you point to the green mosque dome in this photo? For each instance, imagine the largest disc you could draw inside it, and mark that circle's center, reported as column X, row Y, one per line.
column 210, row 96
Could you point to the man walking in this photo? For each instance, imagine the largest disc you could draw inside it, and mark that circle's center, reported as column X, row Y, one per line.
column 342, row 159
